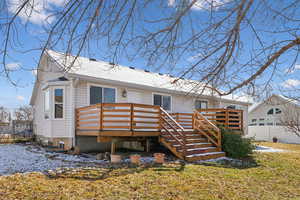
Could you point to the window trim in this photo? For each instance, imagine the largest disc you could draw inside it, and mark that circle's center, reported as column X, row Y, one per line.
column 204, row 100
column 102, row 86
column 63, row 102
column 162, row 94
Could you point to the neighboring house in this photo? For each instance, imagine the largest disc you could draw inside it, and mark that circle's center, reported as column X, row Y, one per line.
column 58, row 92
column 22, row 127
column 267, row 119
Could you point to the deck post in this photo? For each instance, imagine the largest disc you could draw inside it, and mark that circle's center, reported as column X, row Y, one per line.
column 113, row 146
column 226, row 118
column 101, row 116
column 147, row 145
column 131, row 117
column 160, row 120
column 242, row 120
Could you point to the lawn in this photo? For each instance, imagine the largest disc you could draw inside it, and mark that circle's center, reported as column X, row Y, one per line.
column 276, row 176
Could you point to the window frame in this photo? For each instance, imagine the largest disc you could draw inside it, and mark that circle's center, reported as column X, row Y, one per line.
column 102, row 86
column 63, row 103
column 161, row 94
column 201, row 100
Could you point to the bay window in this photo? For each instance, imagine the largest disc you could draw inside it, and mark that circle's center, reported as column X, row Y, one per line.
column 58, row 103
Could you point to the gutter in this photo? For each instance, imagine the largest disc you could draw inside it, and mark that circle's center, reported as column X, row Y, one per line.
column 139, row 86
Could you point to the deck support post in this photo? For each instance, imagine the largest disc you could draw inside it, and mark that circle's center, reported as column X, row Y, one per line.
column 113, row 146
column 147, row 145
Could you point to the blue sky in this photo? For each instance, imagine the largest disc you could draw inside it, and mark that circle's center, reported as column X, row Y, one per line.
column 22, row 64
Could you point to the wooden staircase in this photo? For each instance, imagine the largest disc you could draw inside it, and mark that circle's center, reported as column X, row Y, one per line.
column 202, row 143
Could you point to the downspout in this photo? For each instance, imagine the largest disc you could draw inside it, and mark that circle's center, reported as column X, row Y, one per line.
column 73, row 130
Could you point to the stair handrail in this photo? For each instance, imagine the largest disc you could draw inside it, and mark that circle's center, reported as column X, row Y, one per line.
column 181, row 132
column 172, row 119
column 197, row 115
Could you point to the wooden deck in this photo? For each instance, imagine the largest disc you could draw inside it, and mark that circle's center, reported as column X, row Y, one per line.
column 190, row 136
column 128, row 119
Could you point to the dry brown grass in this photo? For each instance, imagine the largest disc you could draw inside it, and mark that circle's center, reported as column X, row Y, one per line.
column 277, row 176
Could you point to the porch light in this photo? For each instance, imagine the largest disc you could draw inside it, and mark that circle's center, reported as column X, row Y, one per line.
column 124, row 93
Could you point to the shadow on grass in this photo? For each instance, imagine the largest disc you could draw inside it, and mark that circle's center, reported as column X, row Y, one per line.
column 93, row 174
column 244, row 163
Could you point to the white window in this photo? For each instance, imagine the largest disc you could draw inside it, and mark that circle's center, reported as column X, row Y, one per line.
column 163, row 101
column 102, row 95
column 200, row 104
column 231, row 107
column 46, row 103
column 277, row 111
column 274, row 111
column 58, row 103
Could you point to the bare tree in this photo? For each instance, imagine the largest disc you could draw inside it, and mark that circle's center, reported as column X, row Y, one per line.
column 290, row 119
column 4, row 114
column 24, row 113
column 234, row 45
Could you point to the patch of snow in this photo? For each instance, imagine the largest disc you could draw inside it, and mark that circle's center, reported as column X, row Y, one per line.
column 214, row 160
column 23, row 158
column 268, row 149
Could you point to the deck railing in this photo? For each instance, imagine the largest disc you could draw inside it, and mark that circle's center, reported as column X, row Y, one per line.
column 142, row 117
column 118, row 116
column 184, row 119
column 229, row 118
column 207, row 129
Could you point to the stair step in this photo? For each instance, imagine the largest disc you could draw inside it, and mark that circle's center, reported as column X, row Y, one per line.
column 195, row 145
column 188, row 141
column 205, row 156
column 200, row 150
column 186, row 136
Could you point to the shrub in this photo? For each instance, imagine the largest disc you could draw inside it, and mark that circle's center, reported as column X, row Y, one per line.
column 234, row 145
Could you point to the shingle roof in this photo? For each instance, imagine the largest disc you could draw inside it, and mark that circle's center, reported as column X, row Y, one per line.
column 100, row 69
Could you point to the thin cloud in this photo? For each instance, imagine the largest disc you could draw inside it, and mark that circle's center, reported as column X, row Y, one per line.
column 291, row 83
column 293, row 70
column 13, row 66
column 34, row 72
column 203, row 4
column 37, row 11
column 20, row 98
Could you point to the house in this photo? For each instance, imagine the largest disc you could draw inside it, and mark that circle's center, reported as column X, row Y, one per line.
column 269, row 119
column 92, row 103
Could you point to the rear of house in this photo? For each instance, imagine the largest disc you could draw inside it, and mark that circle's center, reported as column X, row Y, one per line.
column 59, row 92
